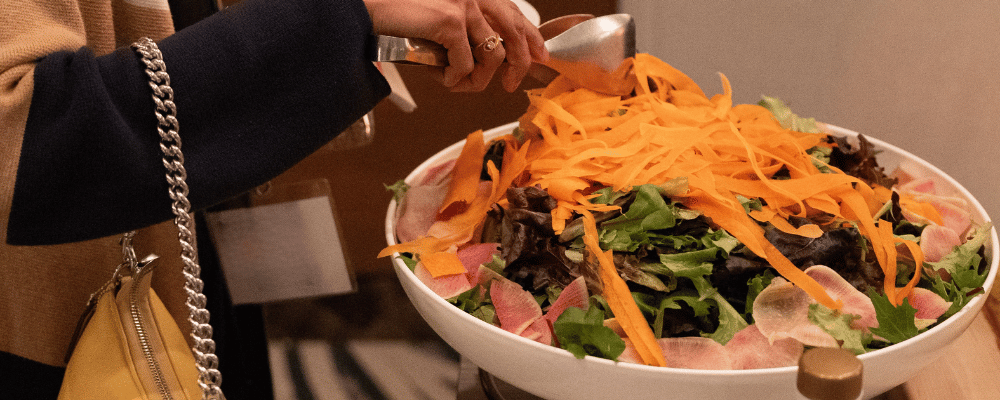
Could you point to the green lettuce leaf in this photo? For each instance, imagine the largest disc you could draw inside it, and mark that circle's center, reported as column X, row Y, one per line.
column 750, row 204
column 821, row 158
column 958, row 296
column 786, row 117
column 730, row 320
column 653, row 306
column 962, row 265
column 641, row 226
column 694, row 265
column 597, row 301
column 398, row 189
column 606, row 196
column 649, row 211
column 487, row 313
column 755, row 286
column 583, row 333
column 721, row 240
column 408, row 261
column 470, row 300
column 895, row 323
column 963, row 262
column 475, row 301
column 838, row 325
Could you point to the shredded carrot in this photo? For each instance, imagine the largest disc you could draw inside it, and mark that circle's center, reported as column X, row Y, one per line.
column 619, row 298
column 668, row 128
column 925, row 210
column 445, row 263
column 738, row 224
column 918, row 258
column 424, row 245
column 436, row 250
column 856, row 207
column 882, row 194
column 885, row 238
column 465, row 176
column 807, row 230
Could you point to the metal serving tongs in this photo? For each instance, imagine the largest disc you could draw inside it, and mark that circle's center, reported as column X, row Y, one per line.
column 589, row 51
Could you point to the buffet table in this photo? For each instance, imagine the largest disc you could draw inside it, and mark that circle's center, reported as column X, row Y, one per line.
column 969, row 369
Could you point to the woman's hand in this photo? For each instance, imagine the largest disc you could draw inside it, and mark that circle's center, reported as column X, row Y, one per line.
column 522, row 41
column 479, row 36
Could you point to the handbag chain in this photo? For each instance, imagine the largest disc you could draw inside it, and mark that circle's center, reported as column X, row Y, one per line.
column 207, row 362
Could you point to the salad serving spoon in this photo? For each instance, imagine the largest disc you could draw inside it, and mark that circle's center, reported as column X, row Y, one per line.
column 588, row 50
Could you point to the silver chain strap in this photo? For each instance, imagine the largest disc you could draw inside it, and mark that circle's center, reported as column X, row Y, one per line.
column 210, row 378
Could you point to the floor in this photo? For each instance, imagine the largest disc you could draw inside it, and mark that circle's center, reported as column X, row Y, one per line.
column 367, row 345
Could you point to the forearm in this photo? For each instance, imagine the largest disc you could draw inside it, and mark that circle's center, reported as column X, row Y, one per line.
column 258, row 87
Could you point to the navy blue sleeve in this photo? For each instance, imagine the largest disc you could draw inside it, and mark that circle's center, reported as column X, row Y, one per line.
column 258, row 87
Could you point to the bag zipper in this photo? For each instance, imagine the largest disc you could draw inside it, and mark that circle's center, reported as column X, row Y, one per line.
column 142, row 334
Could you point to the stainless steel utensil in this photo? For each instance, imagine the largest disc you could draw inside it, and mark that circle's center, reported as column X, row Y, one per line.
column 401, row 50
column 589, row 51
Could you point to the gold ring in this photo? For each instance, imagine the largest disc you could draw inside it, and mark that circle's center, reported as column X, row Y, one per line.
column 490, row 43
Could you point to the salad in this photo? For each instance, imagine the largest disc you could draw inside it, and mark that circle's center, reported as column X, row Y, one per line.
column 672, row 229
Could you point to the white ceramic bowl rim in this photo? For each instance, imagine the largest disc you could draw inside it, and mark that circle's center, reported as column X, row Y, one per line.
column 974, row 304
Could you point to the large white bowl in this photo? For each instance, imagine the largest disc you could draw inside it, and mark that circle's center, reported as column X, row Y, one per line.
column 553, row 373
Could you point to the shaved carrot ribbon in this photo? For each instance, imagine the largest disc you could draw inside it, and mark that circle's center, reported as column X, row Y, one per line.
column 885, row 239
column 582, row 140
column 465, row 175
column 925, row 210
column 424, row 245
column 436, row 250
column 445, row 263
column 619, row 298
column 918, row 258
column 855, row 207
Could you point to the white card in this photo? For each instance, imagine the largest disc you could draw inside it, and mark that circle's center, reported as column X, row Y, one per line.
column 280, row 251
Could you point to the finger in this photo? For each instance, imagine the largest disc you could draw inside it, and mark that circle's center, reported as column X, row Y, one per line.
column 441, row 21
column 521, row 26
column 460, row 61
column 480, row 77
column 452, row 33
column 518, row 61
column 510, row 24
column 536, row 45
column 489, row 53
column 523, row 42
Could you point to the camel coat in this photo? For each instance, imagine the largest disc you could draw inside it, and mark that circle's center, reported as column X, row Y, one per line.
column 259, row 86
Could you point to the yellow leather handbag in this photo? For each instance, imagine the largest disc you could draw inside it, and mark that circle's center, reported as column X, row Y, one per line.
column 131, row 347
column 128, row 346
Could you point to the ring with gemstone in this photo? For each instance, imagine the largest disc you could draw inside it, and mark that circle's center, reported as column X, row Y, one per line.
column 490, row 43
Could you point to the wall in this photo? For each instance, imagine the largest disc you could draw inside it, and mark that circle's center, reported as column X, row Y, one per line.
column 919, row 74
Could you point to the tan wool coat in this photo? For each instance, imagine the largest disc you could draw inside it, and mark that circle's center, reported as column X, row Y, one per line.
column 44, row 289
